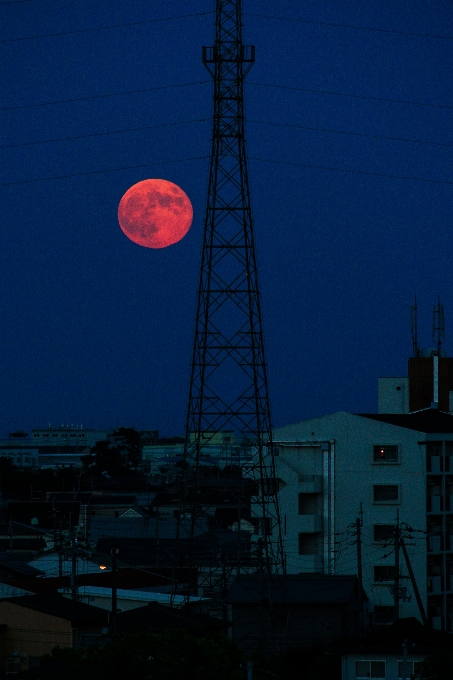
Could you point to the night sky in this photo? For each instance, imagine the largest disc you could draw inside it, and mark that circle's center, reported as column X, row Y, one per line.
column 349, row 107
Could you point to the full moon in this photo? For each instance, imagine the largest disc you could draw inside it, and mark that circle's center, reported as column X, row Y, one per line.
column 155, row 213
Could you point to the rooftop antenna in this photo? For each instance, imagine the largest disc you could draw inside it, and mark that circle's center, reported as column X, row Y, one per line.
column 438, row 325
column 414, row 329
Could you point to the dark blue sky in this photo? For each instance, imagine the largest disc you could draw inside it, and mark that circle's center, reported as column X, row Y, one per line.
column 96, row 330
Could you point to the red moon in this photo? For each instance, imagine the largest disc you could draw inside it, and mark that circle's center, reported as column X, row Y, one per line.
column 155, row 213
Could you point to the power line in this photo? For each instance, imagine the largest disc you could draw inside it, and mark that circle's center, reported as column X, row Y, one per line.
column 105, row 28
column 98, row 172
column 353, row 172
column 204, row 120
column 353, row 134
column 261, row 160
column 353, row 96
column 102, row 96
column 101, row 134
column 358, row 28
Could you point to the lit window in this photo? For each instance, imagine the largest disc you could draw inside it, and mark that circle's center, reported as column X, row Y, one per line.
column 385, row 453
column 369, row 669
column 385, row 493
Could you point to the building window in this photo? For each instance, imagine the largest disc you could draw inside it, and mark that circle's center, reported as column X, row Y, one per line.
column 369, row 669
column 13, row 664
column 309, row 544
column 384, row 614
column 54, row 435
column 414, row 669
column 308, row 504
column 383, row 532
column 45, row 435
column 384, row 573
column 386, row 453
column 386, row 493
column 35, row 435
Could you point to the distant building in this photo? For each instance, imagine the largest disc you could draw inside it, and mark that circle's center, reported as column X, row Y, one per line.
column 219, row 449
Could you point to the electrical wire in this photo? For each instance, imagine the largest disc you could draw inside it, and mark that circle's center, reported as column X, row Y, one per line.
column 102, row 96
column 353, row 26
column 101, row 134
column 353, row 172
column 99, row 172
column 105, row 28
column 352, row 134
column 353, row 96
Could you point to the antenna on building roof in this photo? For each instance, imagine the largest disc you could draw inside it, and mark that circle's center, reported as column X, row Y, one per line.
column 414, row 328
column 438, row 325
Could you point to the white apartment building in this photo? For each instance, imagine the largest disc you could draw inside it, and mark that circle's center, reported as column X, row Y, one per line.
column 380, row 468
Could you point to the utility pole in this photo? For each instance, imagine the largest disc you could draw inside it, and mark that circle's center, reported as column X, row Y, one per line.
column 73, row 567
column 414, row 584
column 114, row 552
column 404, row 673
column 396, row 591
column 358, row 525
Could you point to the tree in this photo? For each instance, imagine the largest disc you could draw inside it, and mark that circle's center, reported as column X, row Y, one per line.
column 171, row 655
column 104, row 457
column 127, row 440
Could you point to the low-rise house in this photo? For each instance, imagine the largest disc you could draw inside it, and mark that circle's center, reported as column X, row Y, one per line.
column 307, row 610
column 32, row 625
column 396, row 652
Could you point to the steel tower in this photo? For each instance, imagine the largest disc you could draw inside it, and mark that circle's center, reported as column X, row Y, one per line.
column 228, row 387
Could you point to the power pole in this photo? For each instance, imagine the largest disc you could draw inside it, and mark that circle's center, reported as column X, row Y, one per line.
column 114, row 552
column 396, row 590
column 358, row 525
column 414, row 584
column 228, row 385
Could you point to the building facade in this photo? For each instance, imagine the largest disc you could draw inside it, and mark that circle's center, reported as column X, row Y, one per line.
column 346, row 478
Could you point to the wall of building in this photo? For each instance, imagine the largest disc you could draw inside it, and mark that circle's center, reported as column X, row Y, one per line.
column 336, row 452
column 30, row 633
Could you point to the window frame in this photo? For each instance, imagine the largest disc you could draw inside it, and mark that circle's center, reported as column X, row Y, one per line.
column 369, row 676
column 388, row 567
column 396, row 501
column 381, row 461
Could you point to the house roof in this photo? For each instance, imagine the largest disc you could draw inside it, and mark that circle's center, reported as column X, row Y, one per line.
column 300, row 588
column 428, row 420
column 77, row 612
column 155, row 617
column 17, row 567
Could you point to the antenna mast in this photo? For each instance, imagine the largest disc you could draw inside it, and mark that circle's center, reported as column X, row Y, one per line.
column 228, row 385
column 414, row 329
column 438, row 325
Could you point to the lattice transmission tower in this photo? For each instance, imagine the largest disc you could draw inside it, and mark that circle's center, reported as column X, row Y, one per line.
column 228, row 388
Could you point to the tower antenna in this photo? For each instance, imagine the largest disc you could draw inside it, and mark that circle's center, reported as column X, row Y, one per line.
column 414, row 329
column 228, row 385
column 438, row 325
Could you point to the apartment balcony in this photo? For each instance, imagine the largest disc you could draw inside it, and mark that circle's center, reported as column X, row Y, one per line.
column 310, row 483
column 309, row 524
